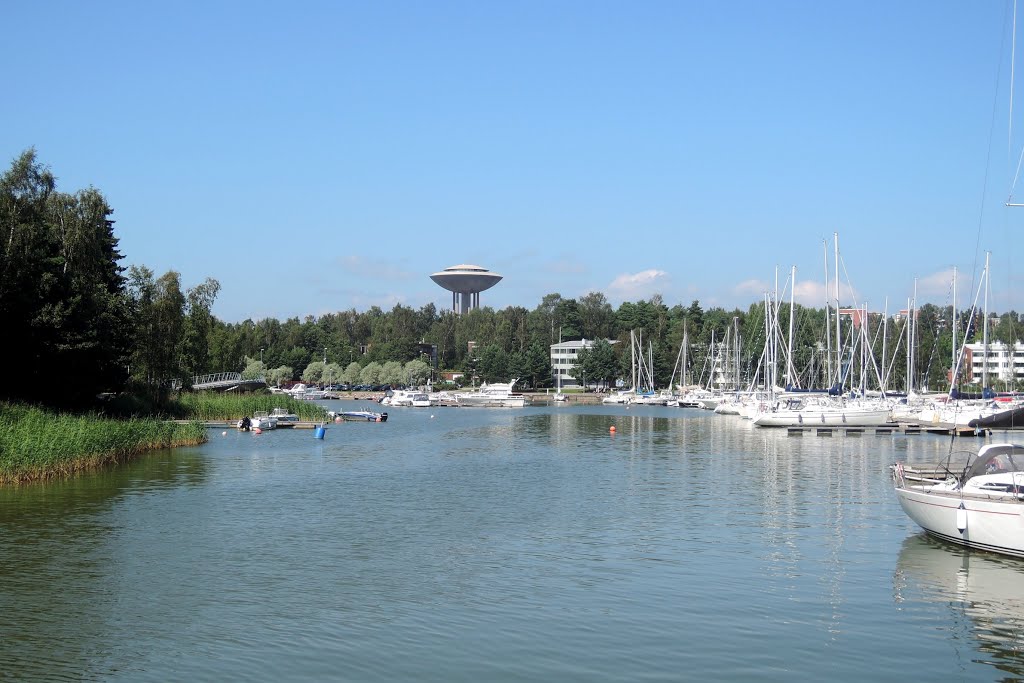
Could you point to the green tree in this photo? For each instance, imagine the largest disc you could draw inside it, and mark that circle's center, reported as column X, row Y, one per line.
column 159, row 310
column 254, row 368
column 417, row 372
column 493, row 365
column 370, row 374
column 62, row 299
column 277, row 375
column 392, row 372
column 314, row 372
column 351, row 375
column 198, row 326
column 597, row 364
column 537, row 362
column 332, row 374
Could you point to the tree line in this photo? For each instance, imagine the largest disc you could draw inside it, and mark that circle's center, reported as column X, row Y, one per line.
column 79, row 324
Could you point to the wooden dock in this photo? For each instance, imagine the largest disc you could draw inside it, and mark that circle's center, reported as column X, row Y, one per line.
column 282, row 424
column 901, row 428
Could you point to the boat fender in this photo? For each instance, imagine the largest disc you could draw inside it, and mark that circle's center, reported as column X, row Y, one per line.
column 961, row 518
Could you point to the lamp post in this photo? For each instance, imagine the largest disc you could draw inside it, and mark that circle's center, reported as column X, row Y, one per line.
column 325, row 355
column 261, row 356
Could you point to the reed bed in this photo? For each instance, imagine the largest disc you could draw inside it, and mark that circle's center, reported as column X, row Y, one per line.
column 39, row 444
column 205, row 406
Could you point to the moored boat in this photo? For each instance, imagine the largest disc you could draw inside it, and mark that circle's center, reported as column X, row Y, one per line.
column 496, row 395
column 263, row 421
column 797, row 412
column 358, row 416
column 980, row 506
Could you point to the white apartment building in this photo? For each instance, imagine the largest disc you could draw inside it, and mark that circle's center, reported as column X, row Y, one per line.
column 563, row 360
column 1005, row 362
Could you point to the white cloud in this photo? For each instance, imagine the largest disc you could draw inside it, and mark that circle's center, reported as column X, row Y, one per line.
column 939, row 284
column 637, row 286
column 354, row 264
column 753, row 287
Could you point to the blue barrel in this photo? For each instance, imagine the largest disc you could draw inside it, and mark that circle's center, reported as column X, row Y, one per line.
column 319, row 432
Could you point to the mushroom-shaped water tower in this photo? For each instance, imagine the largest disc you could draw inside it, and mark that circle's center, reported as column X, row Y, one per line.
column 465, row 282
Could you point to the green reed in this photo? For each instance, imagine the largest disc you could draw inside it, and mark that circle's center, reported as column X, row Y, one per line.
column 211, row 406
column 38, row 444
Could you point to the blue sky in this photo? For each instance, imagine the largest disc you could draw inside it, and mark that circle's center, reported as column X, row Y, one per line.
column 316, row 157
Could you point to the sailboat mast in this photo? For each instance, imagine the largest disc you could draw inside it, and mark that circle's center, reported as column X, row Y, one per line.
column 839, row 344
column 953, row 325
column 984, row 370
column 828, row 323
column 885, row 331
column 909, row 316
column 789, row 342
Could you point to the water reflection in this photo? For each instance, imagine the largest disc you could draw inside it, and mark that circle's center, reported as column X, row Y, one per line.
column 984, row 594
column 466, row 544
column 62, row 553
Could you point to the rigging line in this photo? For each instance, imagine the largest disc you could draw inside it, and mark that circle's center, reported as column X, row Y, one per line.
column 1009, row 127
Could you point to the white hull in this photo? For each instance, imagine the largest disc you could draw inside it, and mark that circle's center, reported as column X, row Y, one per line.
column 263, row 423
column 992, row 524
column 491, row 402
column 824, row 418
column 492, row 396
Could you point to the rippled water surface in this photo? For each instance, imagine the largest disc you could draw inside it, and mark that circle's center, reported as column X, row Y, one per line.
column 478, row 544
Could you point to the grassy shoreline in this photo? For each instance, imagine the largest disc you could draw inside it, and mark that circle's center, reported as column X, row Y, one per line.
column 37, row 444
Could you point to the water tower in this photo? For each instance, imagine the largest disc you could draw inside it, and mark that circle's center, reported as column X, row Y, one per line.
column 465, row 282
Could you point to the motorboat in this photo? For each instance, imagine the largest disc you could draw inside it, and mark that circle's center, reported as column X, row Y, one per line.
column 263, row 421
column 284, row 415
column 496, row 395
column 357, row 416
column 406, row 397
column 303, row 392
column 980, row 506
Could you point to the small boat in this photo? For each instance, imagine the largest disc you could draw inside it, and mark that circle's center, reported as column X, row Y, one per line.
column 980, row 506
column 282, row 415
column 358, row 416
column 263, row 421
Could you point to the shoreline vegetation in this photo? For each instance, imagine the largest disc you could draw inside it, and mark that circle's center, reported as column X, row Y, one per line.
column 38, row 444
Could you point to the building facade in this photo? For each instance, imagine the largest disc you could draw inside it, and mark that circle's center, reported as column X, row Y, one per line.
column 563, row 361
column 1005, row 362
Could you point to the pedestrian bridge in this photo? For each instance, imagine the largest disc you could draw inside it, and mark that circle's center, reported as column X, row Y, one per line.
column 227, row 381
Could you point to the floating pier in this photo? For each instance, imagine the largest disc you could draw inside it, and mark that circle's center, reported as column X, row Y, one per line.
column 903, row 428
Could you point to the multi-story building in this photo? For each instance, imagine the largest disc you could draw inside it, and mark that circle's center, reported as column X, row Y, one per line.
column 1005, row 362
column 563, row 361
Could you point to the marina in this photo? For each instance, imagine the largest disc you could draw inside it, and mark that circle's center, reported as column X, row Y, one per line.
column 525, row 544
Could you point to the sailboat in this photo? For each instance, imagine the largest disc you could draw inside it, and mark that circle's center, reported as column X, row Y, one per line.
column 559, row 396
column 979, row 504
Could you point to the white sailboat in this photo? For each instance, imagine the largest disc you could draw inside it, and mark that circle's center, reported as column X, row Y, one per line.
column 980, row 506
column 559, row 396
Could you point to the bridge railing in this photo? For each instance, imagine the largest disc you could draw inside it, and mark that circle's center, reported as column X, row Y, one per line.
column 217, row 377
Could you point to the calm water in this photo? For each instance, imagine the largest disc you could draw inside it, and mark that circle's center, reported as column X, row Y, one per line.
column 494, row 545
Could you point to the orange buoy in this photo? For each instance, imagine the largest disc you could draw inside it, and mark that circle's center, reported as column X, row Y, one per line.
column 337, row 420
column 257, row 431
column 612, row 429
